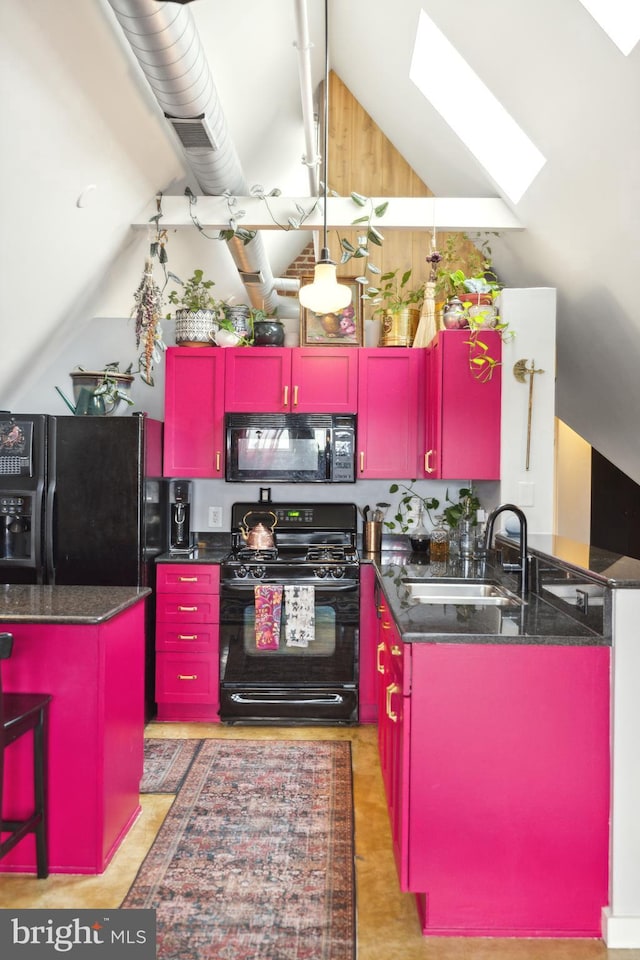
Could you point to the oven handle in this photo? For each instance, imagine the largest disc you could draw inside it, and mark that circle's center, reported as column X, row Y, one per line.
column 243, row 698
column 326, row 586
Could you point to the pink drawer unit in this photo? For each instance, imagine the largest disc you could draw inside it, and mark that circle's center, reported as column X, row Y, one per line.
column 183, row 678
column 194, row 608
column 187, row 578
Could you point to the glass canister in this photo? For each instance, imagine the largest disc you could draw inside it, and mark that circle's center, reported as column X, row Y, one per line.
column 439, row 541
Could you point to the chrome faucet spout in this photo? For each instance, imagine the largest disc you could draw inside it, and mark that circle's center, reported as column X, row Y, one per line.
column 523, row 562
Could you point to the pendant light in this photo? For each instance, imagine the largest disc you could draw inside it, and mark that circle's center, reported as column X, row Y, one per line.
column 325, row 294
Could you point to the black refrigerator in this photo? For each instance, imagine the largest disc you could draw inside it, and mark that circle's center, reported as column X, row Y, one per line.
column 82, row 501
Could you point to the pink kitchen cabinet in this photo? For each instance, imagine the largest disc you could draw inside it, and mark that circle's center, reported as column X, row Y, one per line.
column 367, row 689
column 95, row 675
column 462, row 413
column 504, row 750
column 194, row 412
column 291, row 380
column 187, row 635
column 390, row 413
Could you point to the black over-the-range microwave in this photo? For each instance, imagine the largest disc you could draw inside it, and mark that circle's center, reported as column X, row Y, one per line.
column 291, row 447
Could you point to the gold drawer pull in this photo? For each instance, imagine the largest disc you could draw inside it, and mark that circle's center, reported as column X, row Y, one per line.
column 385, row 625
column 396, row 650
column 188, row 579
column 391, row 689
column 217, row 461
column 187, row 676
column 379, row 650
column 427, row 462
column 187, row 636
column 187, row 609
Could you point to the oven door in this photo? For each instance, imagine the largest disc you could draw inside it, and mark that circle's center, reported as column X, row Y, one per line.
column 285, row 683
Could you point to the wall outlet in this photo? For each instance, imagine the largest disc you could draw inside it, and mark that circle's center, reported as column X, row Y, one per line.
column 215, row 516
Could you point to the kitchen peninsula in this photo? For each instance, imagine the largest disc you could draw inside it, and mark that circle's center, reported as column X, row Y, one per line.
column 85, row 646
column 510, row 778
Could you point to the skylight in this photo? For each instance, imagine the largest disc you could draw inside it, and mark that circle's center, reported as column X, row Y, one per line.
column 620, row 19
column 506, row 152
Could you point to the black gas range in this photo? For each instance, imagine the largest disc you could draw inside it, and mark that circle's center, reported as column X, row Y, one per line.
column 312, row 543
column 289, row 615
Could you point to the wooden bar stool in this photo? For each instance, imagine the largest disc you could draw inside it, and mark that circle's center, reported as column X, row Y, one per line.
column 19, row 713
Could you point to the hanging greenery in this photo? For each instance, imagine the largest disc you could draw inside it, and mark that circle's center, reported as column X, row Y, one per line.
column 147, row 312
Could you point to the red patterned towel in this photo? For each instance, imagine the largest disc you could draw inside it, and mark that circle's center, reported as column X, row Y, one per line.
column 268, row 600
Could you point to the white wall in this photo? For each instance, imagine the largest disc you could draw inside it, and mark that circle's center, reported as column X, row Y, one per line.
column 573, row 485
column 531, row 315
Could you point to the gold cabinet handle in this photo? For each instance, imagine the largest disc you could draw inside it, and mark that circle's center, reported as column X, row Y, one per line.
column 385, row 625
column 286, row 395
column 361, row 461
column 391, row 689
column 187, row 609
column 427, row 462
column 187, row 676
column 187, row 636
column 379, row 650
column 295, row 395
column 217, row 461
column 396, row 650
column 188, row 579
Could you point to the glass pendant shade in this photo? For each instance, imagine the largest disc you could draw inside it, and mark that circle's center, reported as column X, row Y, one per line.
column 325, row 294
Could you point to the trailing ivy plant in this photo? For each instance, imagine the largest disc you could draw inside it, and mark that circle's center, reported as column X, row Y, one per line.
column 464, row 508
column 405, row 512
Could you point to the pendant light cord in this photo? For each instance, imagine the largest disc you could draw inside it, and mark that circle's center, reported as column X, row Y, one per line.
column 325, row 147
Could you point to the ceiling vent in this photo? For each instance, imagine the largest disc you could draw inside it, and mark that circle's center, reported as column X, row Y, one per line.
column 193, row 133
column 249, row 277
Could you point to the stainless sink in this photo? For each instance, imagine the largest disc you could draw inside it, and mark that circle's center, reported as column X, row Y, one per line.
column 465, row 592
column 576, row 592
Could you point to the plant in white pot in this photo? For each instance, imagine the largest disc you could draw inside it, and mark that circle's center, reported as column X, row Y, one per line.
column 199, row 313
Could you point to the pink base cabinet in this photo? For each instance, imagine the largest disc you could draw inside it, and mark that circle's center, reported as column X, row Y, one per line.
column 95, row 674
column 504, row 813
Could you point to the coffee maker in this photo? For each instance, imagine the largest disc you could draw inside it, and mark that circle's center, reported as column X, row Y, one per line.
column 180, row 537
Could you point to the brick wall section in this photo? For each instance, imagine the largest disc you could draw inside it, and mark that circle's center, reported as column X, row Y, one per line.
column 302, row 266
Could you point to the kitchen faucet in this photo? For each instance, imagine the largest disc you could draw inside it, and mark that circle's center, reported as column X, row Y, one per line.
column 522, row 566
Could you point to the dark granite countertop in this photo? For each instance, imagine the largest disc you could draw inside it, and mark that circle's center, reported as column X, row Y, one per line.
column 26, row 603
column 536, row 622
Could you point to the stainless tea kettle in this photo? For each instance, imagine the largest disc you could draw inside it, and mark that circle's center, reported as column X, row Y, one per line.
column 260, row 536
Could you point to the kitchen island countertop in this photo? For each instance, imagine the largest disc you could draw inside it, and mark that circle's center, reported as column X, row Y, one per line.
column 32, row 603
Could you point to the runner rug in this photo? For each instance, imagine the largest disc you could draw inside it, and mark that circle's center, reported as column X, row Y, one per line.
column 254, row 861
column 166, row 764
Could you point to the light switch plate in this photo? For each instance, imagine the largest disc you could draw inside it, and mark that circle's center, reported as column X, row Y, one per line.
column 215, row 516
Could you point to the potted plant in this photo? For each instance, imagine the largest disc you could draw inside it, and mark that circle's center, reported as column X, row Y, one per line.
column 99, row 392
column 399, row 307
column 199, row 313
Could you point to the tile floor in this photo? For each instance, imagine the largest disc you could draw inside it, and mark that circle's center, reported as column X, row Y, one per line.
column 387, row 922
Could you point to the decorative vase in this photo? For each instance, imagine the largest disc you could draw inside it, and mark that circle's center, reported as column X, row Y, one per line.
column 268, row 333
column 240, row 316
column 454, row 315
column 195, row 328
column 398, row 327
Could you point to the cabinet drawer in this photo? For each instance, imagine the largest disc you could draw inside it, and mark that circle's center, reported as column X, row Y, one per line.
column 186, row 679
column 187, row 638
column 187, row 578
column 193, row 608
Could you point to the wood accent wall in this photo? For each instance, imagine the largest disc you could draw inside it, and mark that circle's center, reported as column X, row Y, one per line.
column 363, row 160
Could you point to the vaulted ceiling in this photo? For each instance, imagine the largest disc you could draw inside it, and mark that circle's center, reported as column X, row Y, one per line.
column 86, row 148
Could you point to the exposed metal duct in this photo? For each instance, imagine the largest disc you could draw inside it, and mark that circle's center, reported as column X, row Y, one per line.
column 165, row 41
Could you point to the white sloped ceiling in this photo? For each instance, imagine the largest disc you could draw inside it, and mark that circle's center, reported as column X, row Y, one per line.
column 76, row 111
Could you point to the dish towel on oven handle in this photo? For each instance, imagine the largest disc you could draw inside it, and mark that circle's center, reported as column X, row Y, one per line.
column 268, row 604
column 299, row 615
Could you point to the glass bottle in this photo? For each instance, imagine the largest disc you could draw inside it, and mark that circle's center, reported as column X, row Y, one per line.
column 419, row 536
column 440, row 541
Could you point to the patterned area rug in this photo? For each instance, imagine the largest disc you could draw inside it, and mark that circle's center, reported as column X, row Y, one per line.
column 255, row 858
column 166, row 764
